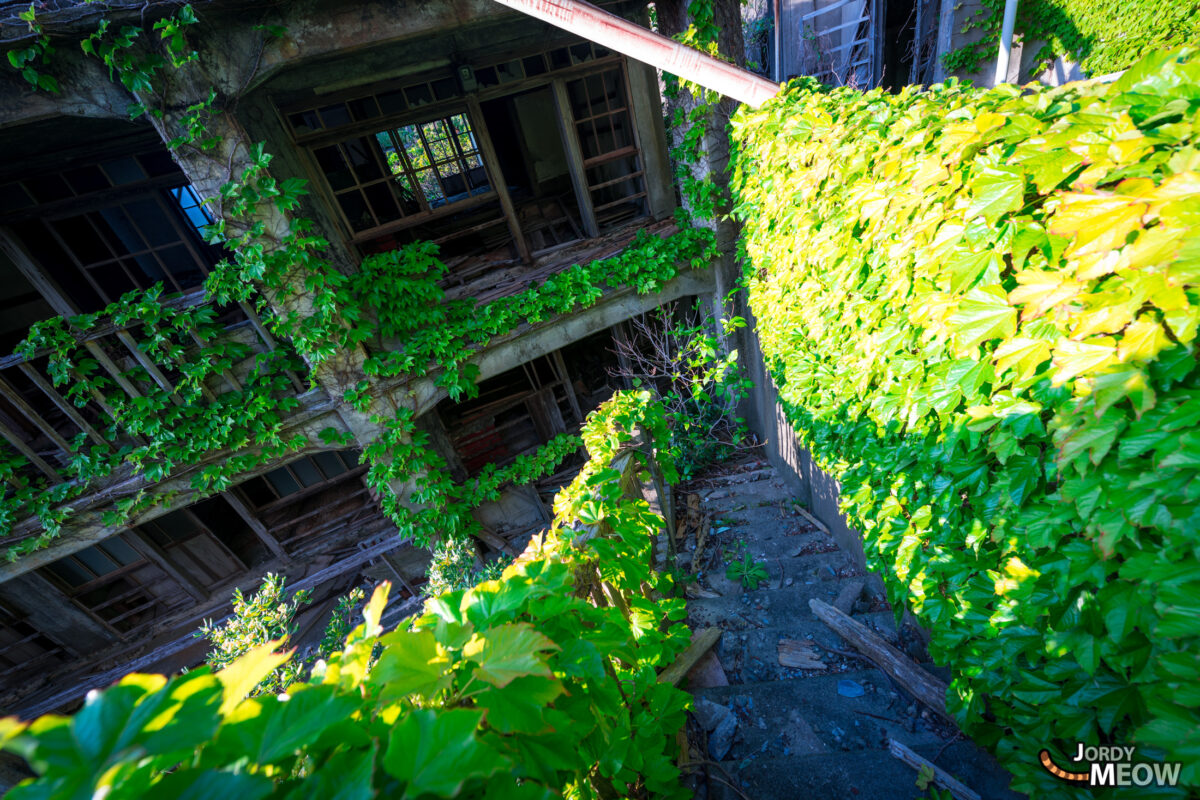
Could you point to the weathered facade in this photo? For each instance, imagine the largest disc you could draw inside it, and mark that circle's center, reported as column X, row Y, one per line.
column 521, row 150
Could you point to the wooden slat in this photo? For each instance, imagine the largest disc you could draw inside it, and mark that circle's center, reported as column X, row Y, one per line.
column 611, row 155
column 570, row 140
column 700, row 645
column 149, row 550
column 255, row 525
column 268, row 340
column 64, row 405
column 14, row 397
column 149, row 365
column 26, row 451
column 492, row 161
column 112, row 369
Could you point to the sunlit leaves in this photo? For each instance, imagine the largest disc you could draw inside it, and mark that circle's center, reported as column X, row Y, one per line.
column 997, row 364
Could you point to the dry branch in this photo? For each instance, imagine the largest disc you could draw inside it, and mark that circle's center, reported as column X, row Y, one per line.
column 940, row 776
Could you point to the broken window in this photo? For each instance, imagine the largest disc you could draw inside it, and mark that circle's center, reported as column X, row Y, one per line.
column 496, row 184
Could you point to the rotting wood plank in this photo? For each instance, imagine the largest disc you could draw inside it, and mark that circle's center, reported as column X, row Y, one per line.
column 488, row 151
column 570, row 140
column 149, row 550
column 927, row 689
column 14, row 397
column 701, row 644
column 940, row 776
column 25, row 450
column 65, row 406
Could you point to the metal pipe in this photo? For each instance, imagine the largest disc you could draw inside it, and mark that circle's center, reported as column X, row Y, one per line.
column 608, row 30
column 1006, row 36
column 777, row 74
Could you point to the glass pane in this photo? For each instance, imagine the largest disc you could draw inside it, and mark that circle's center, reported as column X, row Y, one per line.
column 48, row 188
column 337, row 172
column 306, row 471
column 356, row 211
column 418, row 95
column 335, row 115
column 123, row 170
column 156, row 229
column 534, row 65
column 182, row 266
column 305, row 121
column 158, row 163
column 445, row 88
column 363, row 108
column 392, row 102
column 283, row 482
column 81, row 239
column 97, row 561
column 69, row 572
column 383, row 202
column 86, row 179
column 330, row 464
column 120, row 551
column 358, row 151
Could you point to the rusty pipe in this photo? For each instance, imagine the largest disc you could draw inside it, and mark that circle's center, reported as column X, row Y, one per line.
column 609, row 30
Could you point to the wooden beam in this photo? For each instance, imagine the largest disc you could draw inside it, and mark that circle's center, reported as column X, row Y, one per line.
column 49, row 610
column 561, row 365
column 25, row 263
column 64, row 405
column 940, row 776
column 700, row 645
column 255, row 525
column 148, row 364
column 899, row 667
column 488, row 151
column 14, row 397
column 25, row 450
column 160, row 558
column 570, row 141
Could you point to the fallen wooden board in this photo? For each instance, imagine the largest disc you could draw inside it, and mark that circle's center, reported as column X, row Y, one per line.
column 849, row 594
column 899, row 667
column 940, row 776
column 701, row 644
column 816, row 522
column 799, row 654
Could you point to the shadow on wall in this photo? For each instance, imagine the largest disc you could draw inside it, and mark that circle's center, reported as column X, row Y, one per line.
column 979, row 46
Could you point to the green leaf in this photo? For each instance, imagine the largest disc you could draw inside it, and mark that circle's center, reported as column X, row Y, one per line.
column 983, row 314
column 438, row 753
column 508, row 652
column 995, row 192
column 519, row 707
column 411, row 663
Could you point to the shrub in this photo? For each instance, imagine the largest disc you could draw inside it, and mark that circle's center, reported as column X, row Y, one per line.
column 980, row 309
column 518, row 688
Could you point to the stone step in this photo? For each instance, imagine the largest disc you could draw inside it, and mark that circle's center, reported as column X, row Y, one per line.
column 752, row 654
column 861, row 775
column 785, row 717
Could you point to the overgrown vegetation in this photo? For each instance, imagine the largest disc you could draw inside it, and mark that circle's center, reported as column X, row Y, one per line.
column 268, row 616
column 1104, row 36
column 981, row 311
column 521, row 687
column 682, row 358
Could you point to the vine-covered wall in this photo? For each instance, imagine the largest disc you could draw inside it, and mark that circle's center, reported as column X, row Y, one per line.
column 1103, row 36
column 980, row 310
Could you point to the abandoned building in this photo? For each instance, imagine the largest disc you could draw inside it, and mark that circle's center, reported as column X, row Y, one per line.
column 518, row 148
